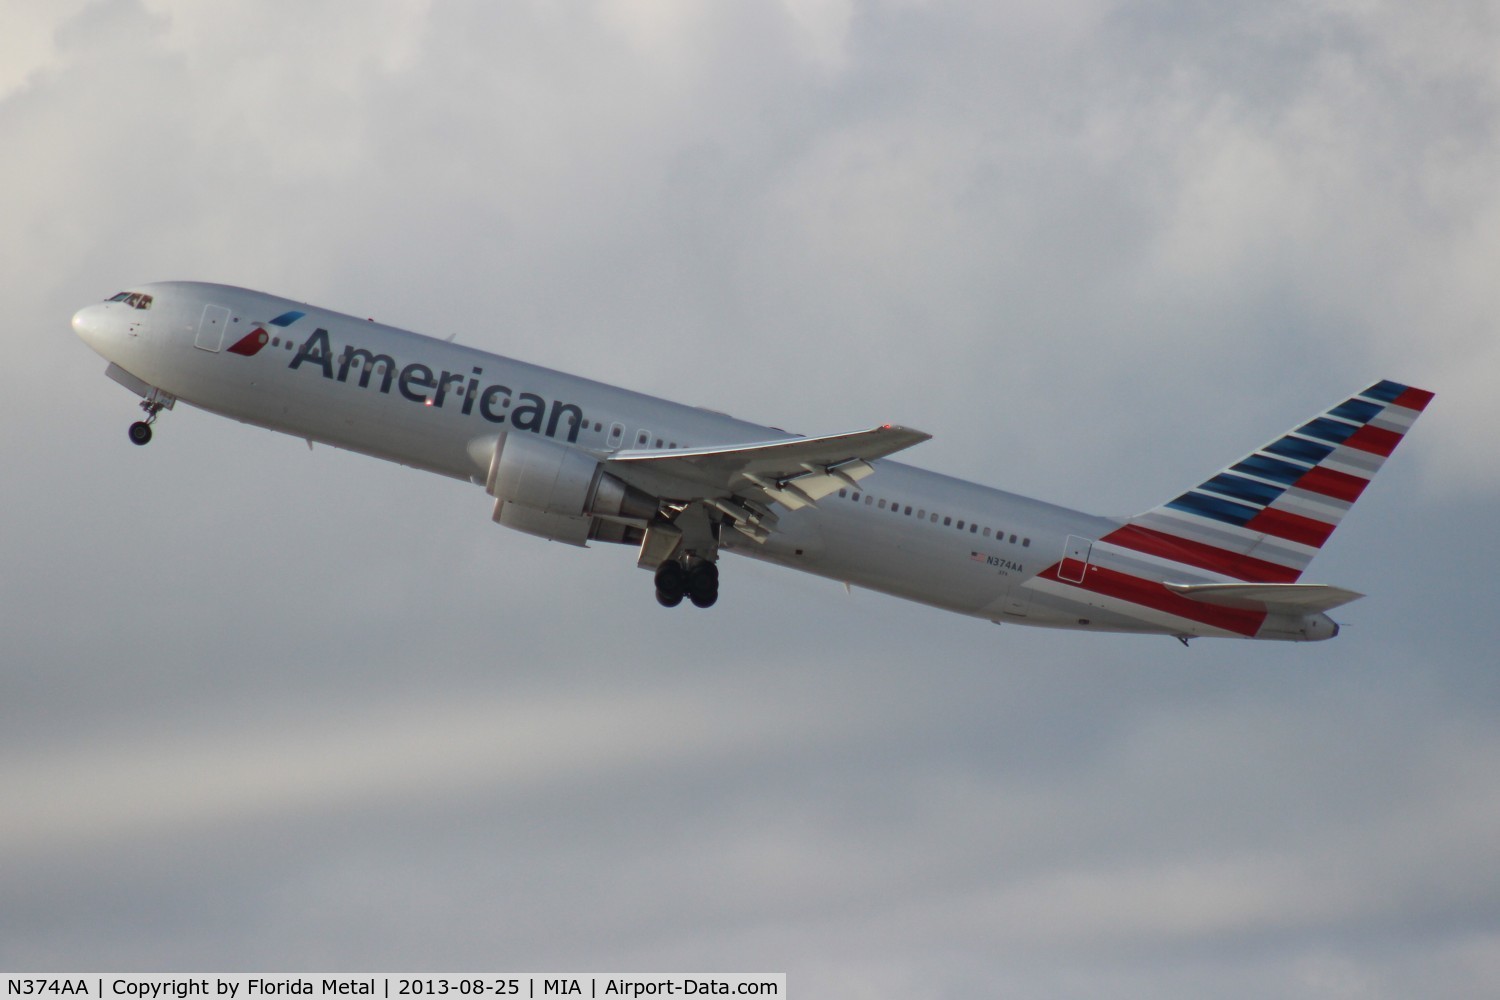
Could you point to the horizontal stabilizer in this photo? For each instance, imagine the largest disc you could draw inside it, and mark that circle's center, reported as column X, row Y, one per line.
column 1272, row 598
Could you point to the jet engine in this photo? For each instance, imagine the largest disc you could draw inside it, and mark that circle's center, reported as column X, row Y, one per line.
column 545, row 488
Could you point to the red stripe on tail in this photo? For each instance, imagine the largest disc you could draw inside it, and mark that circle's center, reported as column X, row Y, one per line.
column 1414, row 399
column 1331, row 483
column 1209, row 557
column 1292, row 527
column 1376, row 440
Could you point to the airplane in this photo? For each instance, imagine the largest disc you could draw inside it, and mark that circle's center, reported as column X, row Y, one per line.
column 577, row 461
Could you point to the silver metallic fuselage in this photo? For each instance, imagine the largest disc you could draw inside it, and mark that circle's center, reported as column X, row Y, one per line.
column 436, row 406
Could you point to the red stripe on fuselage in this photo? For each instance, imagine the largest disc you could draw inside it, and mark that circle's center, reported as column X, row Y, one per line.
column 1204, row 556
column 1151, row 594
column 250, row 344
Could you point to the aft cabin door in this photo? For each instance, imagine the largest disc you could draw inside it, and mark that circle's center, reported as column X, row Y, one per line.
column 1075, row 560
column 211, row 328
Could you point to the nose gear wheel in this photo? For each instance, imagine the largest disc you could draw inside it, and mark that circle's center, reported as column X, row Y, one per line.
column 140, row 431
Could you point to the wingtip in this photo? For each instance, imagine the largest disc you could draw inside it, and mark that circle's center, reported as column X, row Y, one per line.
column 908, row 431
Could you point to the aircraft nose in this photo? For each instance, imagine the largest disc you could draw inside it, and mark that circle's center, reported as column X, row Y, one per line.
column 88, row 323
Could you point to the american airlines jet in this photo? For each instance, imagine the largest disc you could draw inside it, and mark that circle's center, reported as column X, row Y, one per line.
column 576, row 461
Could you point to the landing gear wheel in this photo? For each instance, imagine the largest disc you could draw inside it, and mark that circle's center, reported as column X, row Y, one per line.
column 703, row 585
column 140, row 431
column 671, row 582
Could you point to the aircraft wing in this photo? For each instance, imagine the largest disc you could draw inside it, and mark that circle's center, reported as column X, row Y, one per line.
column 739, row 480
column 1274, row 598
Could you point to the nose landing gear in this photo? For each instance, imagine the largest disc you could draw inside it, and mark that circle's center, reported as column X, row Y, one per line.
column 154, row 403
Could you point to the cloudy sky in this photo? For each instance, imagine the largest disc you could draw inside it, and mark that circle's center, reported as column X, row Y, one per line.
column 272, row 709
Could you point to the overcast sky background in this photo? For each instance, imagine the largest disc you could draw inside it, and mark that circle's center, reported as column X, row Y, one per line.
column 270, row 709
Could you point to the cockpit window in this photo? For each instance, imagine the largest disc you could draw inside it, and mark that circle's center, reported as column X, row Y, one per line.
column 135, row 300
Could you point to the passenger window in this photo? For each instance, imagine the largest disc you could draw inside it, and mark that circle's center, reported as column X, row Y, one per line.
column 973, row 528
column 921, row 514
column 856, row 498
column 882, row 503
column 1025, row 542
column 908, row 512
column 934, row 517
column 986, row 532
column 843, row 493
column 642, row 438
column 960, row 526
column 616, row 435
column 947, row 521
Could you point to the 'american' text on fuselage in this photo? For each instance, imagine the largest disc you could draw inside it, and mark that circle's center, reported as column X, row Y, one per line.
column 418, row 383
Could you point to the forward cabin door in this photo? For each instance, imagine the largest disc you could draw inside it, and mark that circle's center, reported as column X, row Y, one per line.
column 211, row 328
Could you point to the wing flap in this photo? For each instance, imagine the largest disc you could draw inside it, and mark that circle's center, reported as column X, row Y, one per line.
column 795, row 472
column 1273, row 598
column 741, row 481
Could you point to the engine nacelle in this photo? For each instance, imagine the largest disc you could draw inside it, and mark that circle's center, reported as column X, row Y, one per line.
column 545, row 488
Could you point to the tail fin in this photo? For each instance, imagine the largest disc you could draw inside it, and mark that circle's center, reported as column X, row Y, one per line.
column 1265, row 517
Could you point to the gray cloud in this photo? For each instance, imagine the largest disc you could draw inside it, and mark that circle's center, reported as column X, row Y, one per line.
column 272, row 708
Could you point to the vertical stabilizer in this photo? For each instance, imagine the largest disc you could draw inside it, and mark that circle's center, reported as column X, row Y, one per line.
column 1265, row 517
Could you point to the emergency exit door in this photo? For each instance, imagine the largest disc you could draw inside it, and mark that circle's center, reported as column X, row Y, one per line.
column 1075, row 560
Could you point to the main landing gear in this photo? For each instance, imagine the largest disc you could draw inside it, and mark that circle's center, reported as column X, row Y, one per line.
column 698, row 582
column 681, row 545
